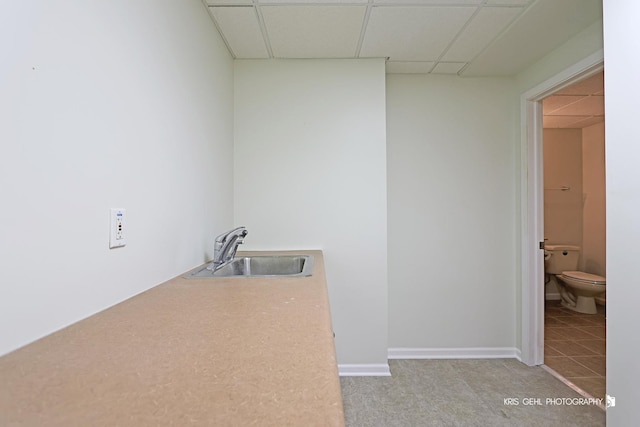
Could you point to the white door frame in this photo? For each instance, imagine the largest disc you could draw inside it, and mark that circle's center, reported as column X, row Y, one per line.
column 532, row 203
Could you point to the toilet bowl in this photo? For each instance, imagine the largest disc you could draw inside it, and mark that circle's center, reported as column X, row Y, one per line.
column 585, row 287
column 577, row 289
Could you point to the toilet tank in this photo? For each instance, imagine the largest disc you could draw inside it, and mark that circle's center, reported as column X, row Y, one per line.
column 562, row 258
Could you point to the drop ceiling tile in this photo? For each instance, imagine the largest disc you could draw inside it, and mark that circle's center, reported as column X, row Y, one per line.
column 412, row 33
column 556, row 102
column 587, row 106
column 590, row 121
column 240, row 28
column 561, row 121
column 313, row 31
column 228, row 2
column 508, row 2
column 483, row 28
column 310, row 1
column 448, row 67
column 578, row 108
column 429, row 2
column 544, row 26
column 590, row 86
column 405, row 67
column 570, row 122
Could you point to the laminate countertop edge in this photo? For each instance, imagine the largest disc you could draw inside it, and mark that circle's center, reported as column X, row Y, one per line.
column 224, row 351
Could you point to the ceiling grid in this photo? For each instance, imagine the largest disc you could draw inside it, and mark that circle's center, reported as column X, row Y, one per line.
column 577, row 106
column 459, row 37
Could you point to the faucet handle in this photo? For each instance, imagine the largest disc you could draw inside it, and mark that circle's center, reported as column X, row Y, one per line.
column 222, row 238
column 226, row 245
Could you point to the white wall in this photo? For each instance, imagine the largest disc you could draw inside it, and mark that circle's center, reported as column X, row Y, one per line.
column 310, row 172
column 577, row 48
column 593, row 256
column 452, row 209
column 621, row 38
column 107, row 104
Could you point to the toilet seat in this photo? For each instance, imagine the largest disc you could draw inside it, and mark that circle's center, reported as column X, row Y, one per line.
column 587, row 278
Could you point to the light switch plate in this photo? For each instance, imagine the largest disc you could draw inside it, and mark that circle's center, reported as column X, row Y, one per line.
column 117, row 228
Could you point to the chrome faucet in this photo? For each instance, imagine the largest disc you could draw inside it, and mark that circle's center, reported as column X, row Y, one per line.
column 226, row 246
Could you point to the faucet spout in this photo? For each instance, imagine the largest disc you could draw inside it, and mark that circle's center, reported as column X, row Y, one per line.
column 226, row 246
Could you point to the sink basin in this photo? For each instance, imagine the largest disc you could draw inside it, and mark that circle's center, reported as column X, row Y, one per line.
column 260, row 266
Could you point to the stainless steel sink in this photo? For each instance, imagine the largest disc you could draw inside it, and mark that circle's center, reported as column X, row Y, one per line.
column 259, row 266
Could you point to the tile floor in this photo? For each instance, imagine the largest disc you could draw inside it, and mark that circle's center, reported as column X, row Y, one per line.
column 575, row 346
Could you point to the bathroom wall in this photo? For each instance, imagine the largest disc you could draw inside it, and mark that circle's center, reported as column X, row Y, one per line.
column 310, row 173
column 563, row 167
column 452, row 209
column 575, row 158
column 593, row 259
column 107, row 104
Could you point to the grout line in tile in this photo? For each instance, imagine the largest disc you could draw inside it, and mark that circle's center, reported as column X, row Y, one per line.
column 582, row 364
column 560, row 321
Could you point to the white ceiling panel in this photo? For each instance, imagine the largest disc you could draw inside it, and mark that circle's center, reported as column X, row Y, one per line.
column 314, row 31
column 556, row 102
column 483, row 28
column 509, row 2
column 589, row 105
column 313, row 1
column 430, row 2
column 228, row 2
column 561, row 121
column 579, row 110
column 570, row 122
column 405, row 67
column 412, row 33
column 592, row 85
column 590, row 121
column 492, row 37
column 448, row 67
column 241, row 31
column 544, row 26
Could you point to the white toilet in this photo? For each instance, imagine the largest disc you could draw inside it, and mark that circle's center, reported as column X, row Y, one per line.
column 577, row 289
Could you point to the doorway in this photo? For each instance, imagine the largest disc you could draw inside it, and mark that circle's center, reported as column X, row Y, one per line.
column 574, row 215
column 532, row 197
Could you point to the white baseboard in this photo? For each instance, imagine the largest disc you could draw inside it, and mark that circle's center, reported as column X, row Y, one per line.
column 364, row 370
column 454, row 353
column 382, row 369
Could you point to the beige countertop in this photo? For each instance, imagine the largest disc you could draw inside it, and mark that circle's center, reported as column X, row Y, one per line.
column 221, row 352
